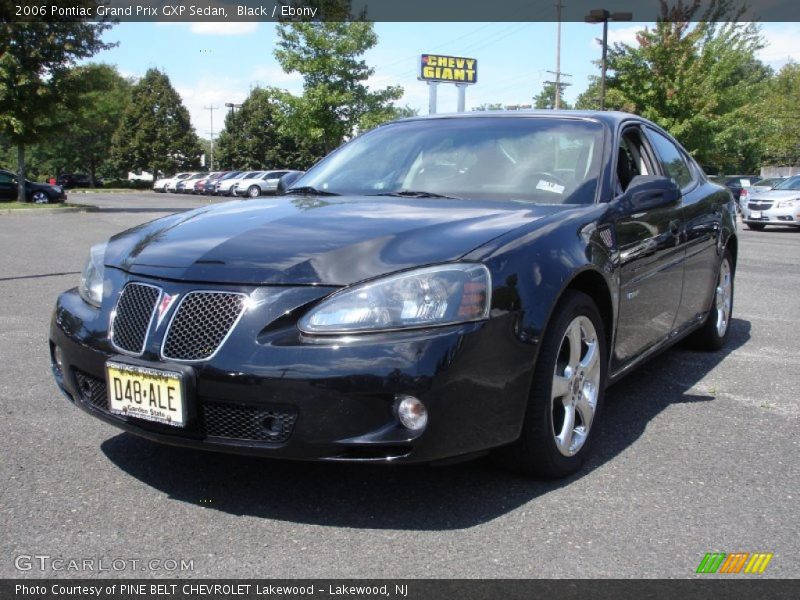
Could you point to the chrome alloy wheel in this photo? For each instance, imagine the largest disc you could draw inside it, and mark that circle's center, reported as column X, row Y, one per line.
column 723, row 297
column 40, row 198
column 576, row 384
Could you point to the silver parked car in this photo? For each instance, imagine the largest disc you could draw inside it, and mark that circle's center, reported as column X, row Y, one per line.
column 777, row 206
column 763, row 185
column 266, row 182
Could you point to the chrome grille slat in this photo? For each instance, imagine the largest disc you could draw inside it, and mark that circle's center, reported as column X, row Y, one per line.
column 132, row 317
column 201, row 323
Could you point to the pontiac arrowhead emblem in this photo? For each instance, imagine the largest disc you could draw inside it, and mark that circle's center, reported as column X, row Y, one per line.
column 163, row 307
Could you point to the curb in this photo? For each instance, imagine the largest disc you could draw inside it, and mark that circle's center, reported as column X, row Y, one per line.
column 50, row 211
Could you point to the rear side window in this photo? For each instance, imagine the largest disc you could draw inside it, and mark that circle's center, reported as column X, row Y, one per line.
column 672, row 160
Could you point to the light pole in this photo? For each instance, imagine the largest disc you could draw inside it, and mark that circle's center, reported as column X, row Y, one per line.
column 601, row 15
column 232, row 106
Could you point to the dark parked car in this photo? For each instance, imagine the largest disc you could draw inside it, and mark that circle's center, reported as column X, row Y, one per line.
column 437, row 288
column 736, row 183
column 73, row 180
column 40, row 193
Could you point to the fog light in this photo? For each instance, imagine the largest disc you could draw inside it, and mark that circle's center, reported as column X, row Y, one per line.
column 58, row 360
column 412, row 413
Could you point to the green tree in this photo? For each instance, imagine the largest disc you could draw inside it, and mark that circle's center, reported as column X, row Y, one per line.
column 155, row 133
column 780, row 114
column 488, row 106
column 98, row 96
column 336, row 99
column 255, row 137
column 695, row 74
column 547, row 98
column 35, row 59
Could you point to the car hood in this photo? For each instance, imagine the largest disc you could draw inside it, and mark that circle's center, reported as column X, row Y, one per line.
column 311, row 240
column 773, row 195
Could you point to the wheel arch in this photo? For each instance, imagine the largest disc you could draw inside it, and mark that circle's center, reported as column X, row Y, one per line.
column 594, row 285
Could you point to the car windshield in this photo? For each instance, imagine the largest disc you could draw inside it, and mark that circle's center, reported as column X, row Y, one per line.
column 535, row 159
column 793, row 183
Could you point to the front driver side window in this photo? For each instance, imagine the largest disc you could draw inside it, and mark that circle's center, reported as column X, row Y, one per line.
column 631, row 159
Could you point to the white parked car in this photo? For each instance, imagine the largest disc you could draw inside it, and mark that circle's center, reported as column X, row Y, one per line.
column 778, row 206
column 168, row 184
column 266, row 182
column 226, row 185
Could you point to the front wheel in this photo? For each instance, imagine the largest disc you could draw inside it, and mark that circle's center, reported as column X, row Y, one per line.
column 714, row 332
column 40, row 198
column 253, row 191
column 566, row 393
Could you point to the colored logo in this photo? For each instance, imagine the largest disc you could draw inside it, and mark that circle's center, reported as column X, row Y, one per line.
column 737, row 562
column 163, row 307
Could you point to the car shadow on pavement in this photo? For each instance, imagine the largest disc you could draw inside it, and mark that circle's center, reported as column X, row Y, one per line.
column 407, row 497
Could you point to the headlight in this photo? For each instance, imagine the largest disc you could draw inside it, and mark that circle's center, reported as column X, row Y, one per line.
column 91, row 286
column 440, row 295
column 787, row 203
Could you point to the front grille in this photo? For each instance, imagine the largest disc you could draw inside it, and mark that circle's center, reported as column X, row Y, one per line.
column 201, row 323
column 248, row 422
column 759, row 205
column 132, row 317
column 91, row 389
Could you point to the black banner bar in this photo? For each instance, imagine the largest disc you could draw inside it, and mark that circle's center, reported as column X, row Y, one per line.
column 400, row 589
column 370, row 10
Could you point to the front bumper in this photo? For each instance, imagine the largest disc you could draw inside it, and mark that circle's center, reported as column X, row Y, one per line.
column 789, row 215
column 335, row 398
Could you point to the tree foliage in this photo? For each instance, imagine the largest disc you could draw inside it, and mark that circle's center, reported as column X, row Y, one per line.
column 35, row 59
column 547, row 98
column 696, row 74
column 255, row 135
column 336, row 99
column 155, row 133
column 779, row 112
column 87, row 120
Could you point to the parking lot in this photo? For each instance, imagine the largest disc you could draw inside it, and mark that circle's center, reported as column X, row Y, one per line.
column 697, row 453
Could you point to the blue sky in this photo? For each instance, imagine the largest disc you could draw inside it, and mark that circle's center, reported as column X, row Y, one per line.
column 215, row 63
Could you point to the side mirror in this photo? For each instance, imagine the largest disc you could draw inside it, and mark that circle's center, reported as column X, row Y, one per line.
column 646, row 192
column 287, row 181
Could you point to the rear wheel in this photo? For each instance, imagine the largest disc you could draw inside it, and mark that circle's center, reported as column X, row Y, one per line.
column 253, row 191
column 566, row 393
column 755, row 226
column 714, row 332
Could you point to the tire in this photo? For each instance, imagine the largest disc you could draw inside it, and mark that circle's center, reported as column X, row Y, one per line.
column 253, row 191
column 714, row 332
column 560, row 421
column 755, row 226
column 40, row 197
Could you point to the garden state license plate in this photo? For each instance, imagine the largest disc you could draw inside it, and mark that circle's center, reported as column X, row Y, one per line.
column 145, row 393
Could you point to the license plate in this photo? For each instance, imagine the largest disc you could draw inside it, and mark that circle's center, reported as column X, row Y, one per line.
column 145, row 393
column 755, row 214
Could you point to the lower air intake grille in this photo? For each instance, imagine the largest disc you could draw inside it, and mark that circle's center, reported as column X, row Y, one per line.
column 133, row 315
column 91, row 389
column 201, row 323
column 248, row 422
column 759, row 205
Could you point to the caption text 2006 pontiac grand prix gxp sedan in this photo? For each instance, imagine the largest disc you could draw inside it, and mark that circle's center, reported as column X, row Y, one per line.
column 436, row 288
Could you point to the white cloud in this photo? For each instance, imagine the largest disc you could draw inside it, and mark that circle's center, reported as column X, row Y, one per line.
column 274, row 76
column 781, row 43
column 623, row 35
column 216, row 92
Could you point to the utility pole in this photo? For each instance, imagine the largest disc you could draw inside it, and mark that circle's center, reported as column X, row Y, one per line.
column 211, row 110
column 557, row 103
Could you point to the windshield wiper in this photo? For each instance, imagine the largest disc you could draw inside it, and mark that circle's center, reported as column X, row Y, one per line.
column 310, row 191
column 414, row 194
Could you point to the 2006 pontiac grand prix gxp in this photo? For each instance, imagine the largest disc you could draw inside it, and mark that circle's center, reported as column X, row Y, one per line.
column 435, row 288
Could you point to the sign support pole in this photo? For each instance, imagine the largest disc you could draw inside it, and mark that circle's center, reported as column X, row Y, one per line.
column 462, row 97
column 432, row 90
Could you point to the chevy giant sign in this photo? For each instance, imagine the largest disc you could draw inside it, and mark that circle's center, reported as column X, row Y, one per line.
column 448, row 69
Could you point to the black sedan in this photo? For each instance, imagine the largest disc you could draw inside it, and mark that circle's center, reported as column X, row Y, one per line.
column 435, row 289
column 39, row 193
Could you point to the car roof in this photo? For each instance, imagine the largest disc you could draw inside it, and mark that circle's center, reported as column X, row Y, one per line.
column 609, row 117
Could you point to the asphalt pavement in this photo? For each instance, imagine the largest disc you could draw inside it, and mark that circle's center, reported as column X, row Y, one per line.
column 697, row 452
